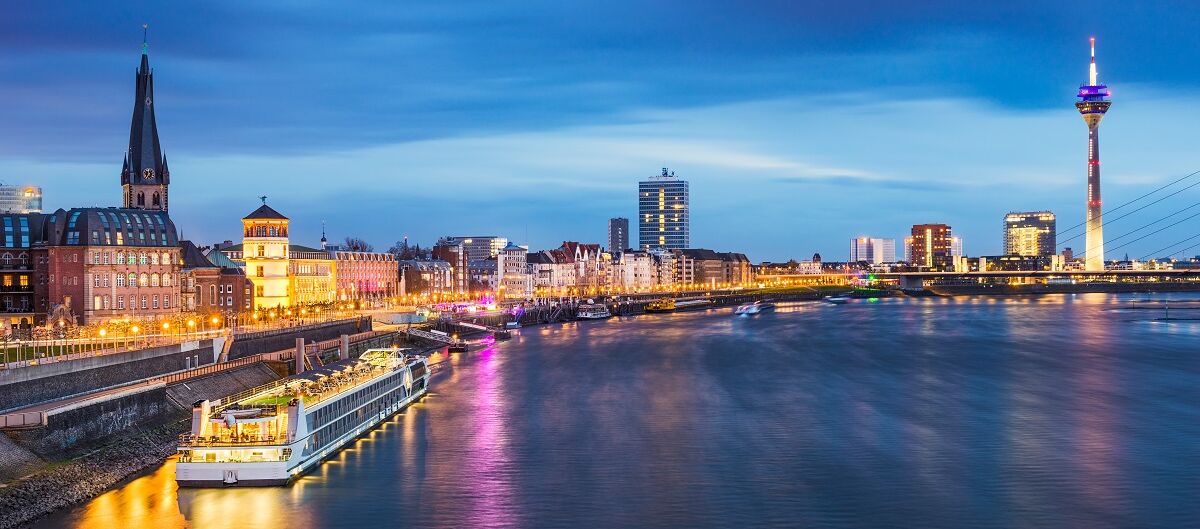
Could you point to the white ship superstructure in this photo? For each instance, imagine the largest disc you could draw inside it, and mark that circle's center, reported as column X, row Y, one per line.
column 272, row 434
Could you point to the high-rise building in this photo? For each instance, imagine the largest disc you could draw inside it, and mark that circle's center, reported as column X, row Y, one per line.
column 618, row 234
column 144, row 176
column 872, row 250
column 478, row 248
column 1092, row 105
column 1029, row 233
column 20, row 199
column 664, row 218
column 929, row 244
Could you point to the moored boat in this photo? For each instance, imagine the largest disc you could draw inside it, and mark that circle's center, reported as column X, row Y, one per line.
column 837, row 300
column 661, row 305
column 281, row 430
column 592, row 311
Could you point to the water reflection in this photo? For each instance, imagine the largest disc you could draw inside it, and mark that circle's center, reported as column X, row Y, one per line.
column 980, row 412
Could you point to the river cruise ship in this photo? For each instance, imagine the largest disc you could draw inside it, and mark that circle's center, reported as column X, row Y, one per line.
column 272, row 434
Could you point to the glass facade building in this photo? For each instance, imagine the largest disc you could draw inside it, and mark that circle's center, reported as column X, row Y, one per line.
column 1029, row 233
column 20, row 199
column 664, row 218
column 873, row 250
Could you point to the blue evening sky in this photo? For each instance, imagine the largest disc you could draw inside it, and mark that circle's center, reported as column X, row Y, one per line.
column 798, row 124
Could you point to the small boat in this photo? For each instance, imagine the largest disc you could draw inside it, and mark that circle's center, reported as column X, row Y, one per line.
column 502, row 334
column 837, row 300
column 661, row 305
column 512, row 325
column 456, row 345
column 758, row 307
column 593, row 311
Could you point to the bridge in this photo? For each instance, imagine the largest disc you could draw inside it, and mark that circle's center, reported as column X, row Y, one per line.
column 921, row 280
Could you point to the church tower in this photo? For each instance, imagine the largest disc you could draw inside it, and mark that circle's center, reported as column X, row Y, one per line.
column 144, row 177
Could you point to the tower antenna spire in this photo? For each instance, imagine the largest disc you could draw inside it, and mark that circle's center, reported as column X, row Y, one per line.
column 145, row 39
column 1092, row 75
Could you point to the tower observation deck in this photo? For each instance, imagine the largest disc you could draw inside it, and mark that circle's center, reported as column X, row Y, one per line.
column 1092, row 105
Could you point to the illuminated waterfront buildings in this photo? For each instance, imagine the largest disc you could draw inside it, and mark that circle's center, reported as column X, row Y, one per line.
column 1029, row 233
column 664, row 213
column 873, row 250
column 1092, row 105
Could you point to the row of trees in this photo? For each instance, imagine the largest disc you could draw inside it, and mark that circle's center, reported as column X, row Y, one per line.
column 402, row 250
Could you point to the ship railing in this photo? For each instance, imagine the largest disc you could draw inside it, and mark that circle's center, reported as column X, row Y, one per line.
column 213, row 440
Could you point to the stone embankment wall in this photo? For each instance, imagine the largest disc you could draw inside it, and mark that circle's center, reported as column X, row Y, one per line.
column 46, row 382
column 286, row 338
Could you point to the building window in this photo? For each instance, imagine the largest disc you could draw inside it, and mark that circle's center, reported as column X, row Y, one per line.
column 259, row 271
column 166, row 301
column 105, row 302
column 166, row 258
column 262, row 250
column 96, row 280
column 120, row 257
column 212, row 294
column 143, row 280
column 166, row 280
column 95, row 302
column 258, row 290
column 229, row 301
column 104, row 258
column 142, row 258
column 144, row 304
column 155, row 298
column 154, row 258
column 120, row 280
column 120, row 302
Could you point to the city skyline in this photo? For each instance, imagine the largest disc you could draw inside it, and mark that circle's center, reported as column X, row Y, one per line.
column 77, row 88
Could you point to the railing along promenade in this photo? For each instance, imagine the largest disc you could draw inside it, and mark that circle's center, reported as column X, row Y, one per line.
column 23, row 353
column 26, row 419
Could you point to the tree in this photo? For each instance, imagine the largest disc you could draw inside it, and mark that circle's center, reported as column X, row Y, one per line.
column 400, row 249
column 355, row 244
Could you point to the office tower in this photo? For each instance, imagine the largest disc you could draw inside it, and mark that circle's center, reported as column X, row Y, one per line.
column 1029, row 233
column 663, row 213
column 618, row 234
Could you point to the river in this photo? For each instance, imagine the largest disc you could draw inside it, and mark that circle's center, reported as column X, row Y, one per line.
column 1051, row 411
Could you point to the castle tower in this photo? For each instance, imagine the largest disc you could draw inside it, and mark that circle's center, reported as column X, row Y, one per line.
column 144, row 176
column 1093, row 104
column 265, row 252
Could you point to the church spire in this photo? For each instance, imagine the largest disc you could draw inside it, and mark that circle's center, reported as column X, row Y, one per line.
column 144, row 178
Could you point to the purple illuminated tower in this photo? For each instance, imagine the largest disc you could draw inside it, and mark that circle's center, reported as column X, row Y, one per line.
column 1093, row 103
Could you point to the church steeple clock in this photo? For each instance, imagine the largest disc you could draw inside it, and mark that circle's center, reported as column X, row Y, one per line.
column 145, row 176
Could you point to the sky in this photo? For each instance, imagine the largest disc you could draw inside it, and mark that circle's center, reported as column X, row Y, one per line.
column 799, row 125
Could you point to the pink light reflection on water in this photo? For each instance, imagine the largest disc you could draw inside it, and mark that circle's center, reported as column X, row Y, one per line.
column 490, row 466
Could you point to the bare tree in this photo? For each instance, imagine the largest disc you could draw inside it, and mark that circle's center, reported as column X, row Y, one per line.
column 355, row 244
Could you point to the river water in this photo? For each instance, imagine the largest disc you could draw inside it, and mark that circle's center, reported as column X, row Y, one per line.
column 1053, row 411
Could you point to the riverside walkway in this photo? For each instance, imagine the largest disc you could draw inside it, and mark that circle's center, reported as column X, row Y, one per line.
column 36, row 415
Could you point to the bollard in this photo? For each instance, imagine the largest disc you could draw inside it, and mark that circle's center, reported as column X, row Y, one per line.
column 299, row 355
